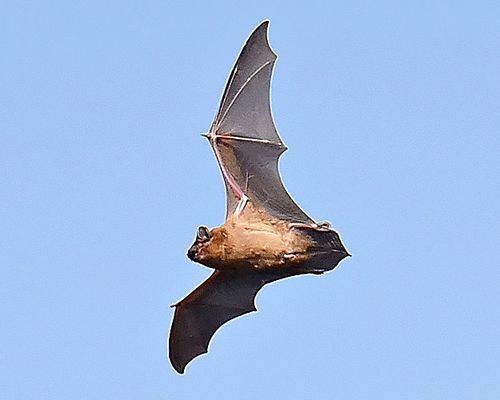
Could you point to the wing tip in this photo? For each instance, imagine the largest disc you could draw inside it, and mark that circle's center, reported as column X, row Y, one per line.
column 180, row 369
column 263, row 29
column 264, row 24
column 180, row 365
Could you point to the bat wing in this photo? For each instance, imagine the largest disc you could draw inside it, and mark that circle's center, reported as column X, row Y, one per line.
column 244, row 137
column 224, row 296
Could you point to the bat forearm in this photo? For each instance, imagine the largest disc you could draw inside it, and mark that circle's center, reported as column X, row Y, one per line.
column 244, row 139
column 228, row 178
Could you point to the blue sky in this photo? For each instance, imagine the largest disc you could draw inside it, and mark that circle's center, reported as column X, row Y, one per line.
column 391, row 115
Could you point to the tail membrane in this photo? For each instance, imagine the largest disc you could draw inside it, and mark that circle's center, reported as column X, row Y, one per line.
column 326, row 252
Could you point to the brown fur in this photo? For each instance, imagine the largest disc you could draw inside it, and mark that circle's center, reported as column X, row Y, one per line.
column 253, row 239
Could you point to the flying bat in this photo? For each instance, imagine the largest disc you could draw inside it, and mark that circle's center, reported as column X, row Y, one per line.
column 266, row 236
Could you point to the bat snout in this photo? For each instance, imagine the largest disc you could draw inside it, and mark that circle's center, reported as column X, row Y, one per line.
column 193, row 250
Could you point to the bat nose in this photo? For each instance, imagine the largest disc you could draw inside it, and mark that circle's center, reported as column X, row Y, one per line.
column 191, row 253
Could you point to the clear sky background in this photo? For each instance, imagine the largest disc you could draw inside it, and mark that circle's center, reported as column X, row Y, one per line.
column 391, row 112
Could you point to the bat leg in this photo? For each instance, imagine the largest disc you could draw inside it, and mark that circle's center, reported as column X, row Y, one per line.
column 322, row 227
column 290, row 257
column 317, row 271
column 235, row 188
column 326, row 249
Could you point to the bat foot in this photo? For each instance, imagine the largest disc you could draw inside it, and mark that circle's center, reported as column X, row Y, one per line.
column 322, row 226
column 325, row 225
column 317, row 272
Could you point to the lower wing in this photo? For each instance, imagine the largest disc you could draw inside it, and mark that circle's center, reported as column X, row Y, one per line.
column 223, row 296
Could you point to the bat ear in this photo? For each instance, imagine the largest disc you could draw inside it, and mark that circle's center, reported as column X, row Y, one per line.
column 203, row 234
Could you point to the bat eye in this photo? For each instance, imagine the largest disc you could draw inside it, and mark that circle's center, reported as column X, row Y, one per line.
column 203, row 234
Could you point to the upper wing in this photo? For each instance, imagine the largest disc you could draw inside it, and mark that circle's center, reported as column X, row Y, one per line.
column 244, row 137
column 223, row 296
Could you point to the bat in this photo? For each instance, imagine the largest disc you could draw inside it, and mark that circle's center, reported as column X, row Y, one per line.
column 266, row 236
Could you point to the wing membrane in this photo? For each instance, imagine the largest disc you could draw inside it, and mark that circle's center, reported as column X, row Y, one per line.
column 224, row 296
column 245, row 113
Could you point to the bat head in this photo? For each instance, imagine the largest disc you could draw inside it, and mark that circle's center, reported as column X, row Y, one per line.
column 200, row 245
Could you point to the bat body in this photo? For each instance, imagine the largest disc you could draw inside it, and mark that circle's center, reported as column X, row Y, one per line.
column 266, row 236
